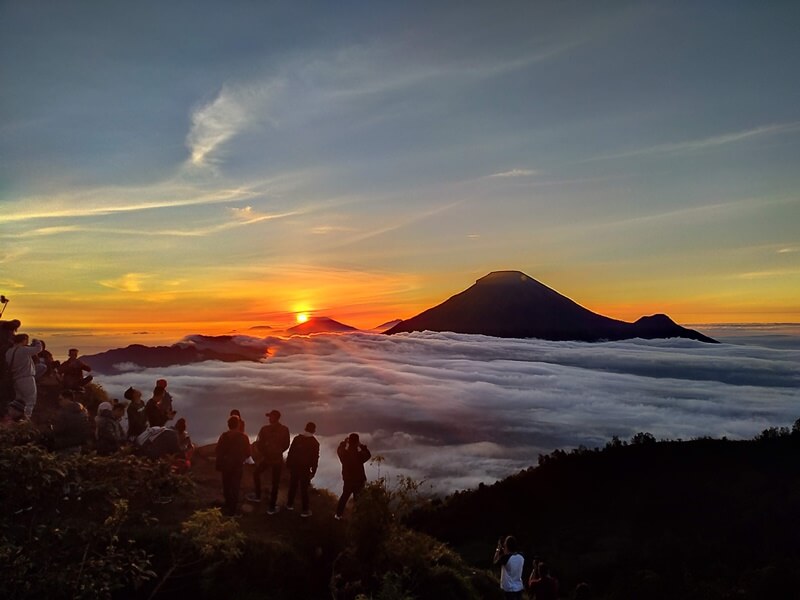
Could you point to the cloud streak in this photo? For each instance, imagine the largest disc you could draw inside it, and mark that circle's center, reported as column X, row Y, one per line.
column 459, row 409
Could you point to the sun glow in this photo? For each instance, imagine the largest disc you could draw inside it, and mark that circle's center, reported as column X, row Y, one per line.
column 302, row 317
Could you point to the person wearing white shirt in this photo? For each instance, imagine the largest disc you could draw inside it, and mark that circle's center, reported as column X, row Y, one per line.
column 511, row 563
column 19, row 361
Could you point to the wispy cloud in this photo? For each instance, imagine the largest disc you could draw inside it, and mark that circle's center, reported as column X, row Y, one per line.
column 130, row 282
column 235, row 109
column 789, row 250
column 704, row 143
column 515, row 173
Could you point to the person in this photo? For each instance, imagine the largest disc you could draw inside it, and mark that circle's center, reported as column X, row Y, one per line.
column 233, row 447
column 235, row 413
column 271, row 443
column 157, row 416
column 8, row 329
column 137, row 417
column 19, row 361
column 583, row 591
column 185, row 445
column 157, row 442
column 72, row 371
column 302, row 462
column 352, row 454
column 109, row 433
column 166, row 400
column 511, row 562
column 541, row 584
column 72, row 428
column 15, row 413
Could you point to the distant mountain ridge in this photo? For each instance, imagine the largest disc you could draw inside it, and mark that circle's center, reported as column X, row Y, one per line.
column 320, row 325
column 512, row 304
column 120, row 360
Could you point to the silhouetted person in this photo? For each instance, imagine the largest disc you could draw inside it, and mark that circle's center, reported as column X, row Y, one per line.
column 157, row 415
column 8, row 329
column 272, row 442
column 137, row 417
column 235, row 413
column 19, row 361
column 507, row 555
column 352, row 454
column 302, row 462
column 233, row 447
column 72, row 371
column 166, row 400
column 542, row 586
column 72, row 427
column 109, row 434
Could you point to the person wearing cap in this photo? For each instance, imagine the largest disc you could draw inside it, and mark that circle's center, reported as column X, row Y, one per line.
column 302, row 462
column 352, row 454
column 137, row 415
column 272, row 442
column 109, row 434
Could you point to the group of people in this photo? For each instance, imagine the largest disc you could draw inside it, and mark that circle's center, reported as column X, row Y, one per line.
column 233, row 450
column 541, row 584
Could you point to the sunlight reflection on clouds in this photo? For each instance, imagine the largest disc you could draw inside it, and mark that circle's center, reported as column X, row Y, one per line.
column 460, row 409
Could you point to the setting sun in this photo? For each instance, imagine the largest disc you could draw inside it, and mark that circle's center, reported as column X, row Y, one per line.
column 302, row 317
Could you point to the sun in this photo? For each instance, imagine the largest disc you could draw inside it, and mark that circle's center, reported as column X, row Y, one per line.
column 302, row 317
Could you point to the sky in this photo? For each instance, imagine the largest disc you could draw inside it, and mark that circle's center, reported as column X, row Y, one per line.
column 209, row 166
column 456, row 410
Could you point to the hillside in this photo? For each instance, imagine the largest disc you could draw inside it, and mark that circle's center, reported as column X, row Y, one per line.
column 512, row 304
column 700, row 519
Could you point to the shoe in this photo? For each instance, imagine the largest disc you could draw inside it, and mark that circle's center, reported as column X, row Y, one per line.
column 251, row 497
column 305, row 514
column 272, row 510
column 337, row 517
column 289, row 507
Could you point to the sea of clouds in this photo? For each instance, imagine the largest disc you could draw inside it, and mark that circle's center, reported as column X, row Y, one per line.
column 456, row 410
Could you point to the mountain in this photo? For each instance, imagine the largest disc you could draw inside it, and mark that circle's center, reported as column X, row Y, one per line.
column 320, row 325
column 512, row 304
column 136, row 355
column 386, row 326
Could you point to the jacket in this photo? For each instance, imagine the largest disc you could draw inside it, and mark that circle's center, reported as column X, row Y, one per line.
column 233, row 448
column 353, row 460
column 272, row 442
column 304, row 453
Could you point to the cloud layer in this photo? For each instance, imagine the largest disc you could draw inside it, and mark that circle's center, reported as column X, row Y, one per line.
column 460, row 409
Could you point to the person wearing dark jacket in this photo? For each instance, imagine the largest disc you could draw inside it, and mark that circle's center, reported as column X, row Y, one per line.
column 271, row 443
column 157, row 415
column 233, row 448
column 72, row 428
column 352, row 454
column 137, row 417
column 302, row 462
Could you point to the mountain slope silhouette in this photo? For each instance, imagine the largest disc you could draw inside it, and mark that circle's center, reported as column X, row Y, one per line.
column 320, row 325
column 512, row 304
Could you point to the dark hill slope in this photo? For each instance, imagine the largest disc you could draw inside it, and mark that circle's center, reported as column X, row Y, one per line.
column 511, row 304
column 700, row 519
column 110, row 361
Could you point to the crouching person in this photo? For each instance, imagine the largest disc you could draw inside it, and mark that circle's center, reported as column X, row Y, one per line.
column 72, row 428
column 110, row 434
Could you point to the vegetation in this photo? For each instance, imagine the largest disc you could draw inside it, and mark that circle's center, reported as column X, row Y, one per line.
column 705, row 519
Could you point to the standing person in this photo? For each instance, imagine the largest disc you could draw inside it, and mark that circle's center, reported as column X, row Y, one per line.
column 543, row 586
column 157, row 416
column 233, row 447
column 19, row 361
column 352, row 454
column 72, row 371
column 511, row 562
column 272, row 442
column 302, row 462
column 235, row 413
column 137, row 417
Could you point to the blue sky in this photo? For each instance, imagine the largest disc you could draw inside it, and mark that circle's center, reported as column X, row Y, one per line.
column 366, row 160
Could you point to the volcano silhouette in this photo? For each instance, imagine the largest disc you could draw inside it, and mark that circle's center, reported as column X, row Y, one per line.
column 511, row 304
column 320, row 325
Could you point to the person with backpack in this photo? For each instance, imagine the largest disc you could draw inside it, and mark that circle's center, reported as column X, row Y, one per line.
column 302, row 462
